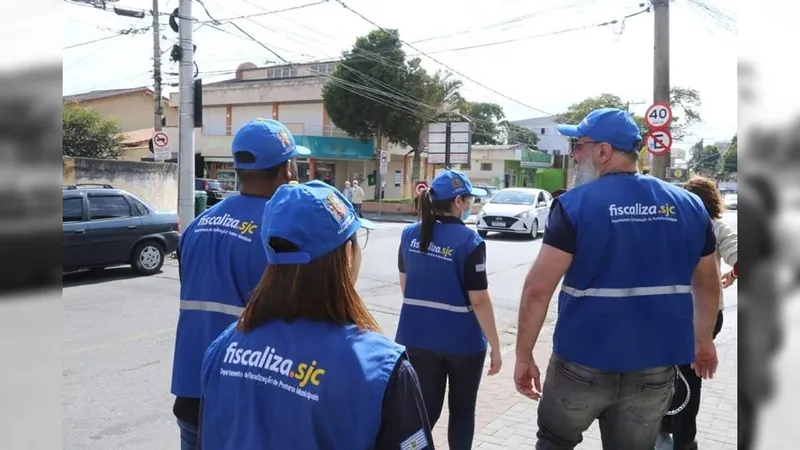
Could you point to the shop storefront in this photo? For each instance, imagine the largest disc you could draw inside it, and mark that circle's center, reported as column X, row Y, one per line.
column 333, row 160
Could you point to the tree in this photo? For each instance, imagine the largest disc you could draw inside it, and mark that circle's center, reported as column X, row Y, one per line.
column 87, row 134
column 730, row 162
column 361, row 95
column 705, row 159
column 436, row 95
column 684, row 101
column 486, row 118
column 517, row 134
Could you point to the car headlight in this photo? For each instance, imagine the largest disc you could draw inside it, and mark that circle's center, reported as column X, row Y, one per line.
column 523, row 215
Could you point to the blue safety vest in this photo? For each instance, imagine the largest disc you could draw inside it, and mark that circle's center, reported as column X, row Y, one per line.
column 221, row 262
column 626, row 303
column 304, row 385
column 436, row 313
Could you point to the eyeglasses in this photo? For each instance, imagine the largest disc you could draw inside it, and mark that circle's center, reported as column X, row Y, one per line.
column 579, row 145
column 362, row 235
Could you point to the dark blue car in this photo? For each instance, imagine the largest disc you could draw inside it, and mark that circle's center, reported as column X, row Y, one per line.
column 104, row 227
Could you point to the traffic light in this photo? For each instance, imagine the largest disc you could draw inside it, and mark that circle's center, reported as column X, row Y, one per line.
column 198, row 103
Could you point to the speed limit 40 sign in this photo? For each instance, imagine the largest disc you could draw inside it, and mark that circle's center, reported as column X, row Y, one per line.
column 658, row 115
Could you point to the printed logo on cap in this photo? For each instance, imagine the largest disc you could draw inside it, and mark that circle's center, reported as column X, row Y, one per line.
column 335, row 206
column 457, row 184
column 284, row 138
column 339, row 212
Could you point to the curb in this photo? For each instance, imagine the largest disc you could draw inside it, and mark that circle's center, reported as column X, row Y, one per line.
column 390, row 219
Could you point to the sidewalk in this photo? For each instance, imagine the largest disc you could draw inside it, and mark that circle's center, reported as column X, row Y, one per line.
column 505, row 420
column 405, row 218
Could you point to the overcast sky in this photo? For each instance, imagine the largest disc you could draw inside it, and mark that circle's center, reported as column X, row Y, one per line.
column 546, row 73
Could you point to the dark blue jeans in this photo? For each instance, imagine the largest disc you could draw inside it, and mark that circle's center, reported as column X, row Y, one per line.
column 629, row 406
column 188, row 435
column 464, row 374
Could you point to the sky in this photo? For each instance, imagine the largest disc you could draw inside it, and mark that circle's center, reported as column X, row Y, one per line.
column 543, row 71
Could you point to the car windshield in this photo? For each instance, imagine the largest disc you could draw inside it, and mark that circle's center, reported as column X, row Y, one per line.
column 732, row 197
column 215, row 186
column 514, row 198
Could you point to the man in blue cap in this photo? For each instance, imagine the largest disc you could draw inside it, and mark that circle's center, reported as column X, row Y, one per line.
column 632, row 250
column 221, row 260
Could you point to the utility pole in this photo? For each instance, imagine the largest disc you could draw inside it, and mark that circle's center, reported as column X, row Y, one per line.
column 186, row 115
column 159, row 111
column 661, row 73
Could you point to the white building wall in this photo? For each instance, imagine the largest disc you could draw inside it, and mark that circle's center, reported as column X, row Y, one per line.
column 303, row 119
column 214, row 121
column 241, row 114
column 549, row 139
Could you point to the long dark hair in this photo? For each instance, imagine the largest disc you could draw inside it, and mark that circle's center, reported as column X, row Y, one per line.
column 322, row 290
column 429, row 208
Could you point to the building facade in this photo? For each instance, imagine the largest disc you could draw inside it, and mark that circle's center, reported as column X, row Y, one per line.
column 549, row 140
column 293, row 96
column 513, row 165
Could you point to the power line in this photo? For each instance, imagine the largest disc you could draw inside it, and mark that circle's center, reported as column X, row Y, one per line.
column 509, row 21
column 552, row 33
column 445, row 65
column 125, row 32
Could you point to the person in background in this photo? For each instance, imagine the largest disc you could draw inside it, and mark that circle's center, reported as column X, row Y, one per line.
column 447, row 313
column 683, row 426
column 626, row 317
column 348, row 192
column 305, row 366
column 220, row 259
column 358, row 198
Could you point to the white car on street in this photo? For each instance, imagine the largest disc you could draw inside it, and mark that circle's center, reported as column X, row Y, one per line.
column 515, row 210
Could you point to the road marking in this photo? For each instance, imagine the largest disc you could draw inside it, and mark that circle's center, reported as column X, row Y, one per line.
column 114, row 342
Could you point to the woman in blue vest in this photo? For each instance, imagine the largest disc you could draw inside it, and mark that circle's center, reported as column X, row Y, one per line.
column 447, row 313
column 305, row 367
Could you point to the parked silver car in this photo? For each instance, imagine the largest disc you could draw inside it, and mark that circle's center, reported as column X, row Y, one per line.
column 515, row 210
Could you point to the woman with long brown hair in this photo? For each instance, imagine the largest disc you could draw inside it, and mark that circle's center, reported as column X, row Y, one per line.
column 683, row 425
column 305, row 366
column 447, row 315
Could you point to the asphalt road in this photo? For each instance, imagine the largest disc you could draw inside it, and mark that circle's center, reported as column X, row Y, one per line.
column 118, row 335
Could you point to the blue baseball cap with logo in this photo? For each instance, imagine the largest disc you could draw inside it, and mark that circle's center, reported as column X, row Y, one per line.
column 270, row 143
column 314, row 216
column 611, row 125
column 452, row 183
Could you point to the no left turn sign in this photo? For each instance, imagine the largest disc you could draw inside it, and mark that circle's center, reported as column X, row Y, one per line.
column 421, row 186
column 658, row 115
column 658, row 142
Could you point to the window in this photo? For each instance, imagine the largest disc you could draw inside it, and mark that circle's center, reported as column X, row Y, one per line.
column 547, row 197
column 513, row 197
column 486, row 167
column 73, row 209
column 108, row 207
column 541, row 131
column 541, row 198
column 138, row 207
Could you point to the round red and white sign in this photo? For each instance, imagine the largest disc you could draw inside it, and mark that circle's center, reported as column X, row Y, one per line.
column 421, row 186
column 658, row 142
column 658, row 115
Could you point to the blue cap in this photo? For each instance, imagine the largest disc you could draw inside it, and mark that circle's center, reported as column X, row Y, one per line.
column 270, row 142
column 611, row 125
column 452, row 183
column 314, row 216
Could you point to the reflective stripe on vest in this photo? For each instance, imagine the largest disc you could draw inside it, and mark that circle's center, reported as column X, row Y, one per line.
column 630, row 292
column 437, row 305
column 217, row 307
